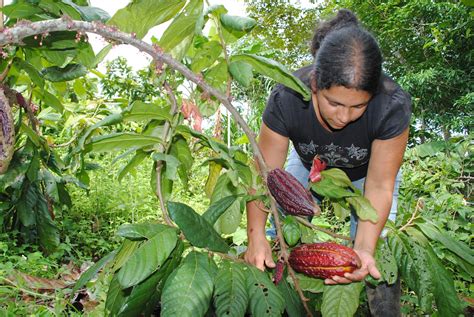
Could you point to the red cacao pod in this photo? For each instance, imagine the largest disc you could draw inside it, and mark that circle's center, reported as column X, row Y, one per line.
column 291, row 194
column 324, row 260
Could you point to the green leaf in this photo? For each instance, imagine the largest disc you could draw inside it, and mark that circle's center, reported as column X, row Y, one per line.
column 52, row 101
column 85, row 56
column 310, row 284
column 171, row 162
column 218, row 75
column 102, row 54
column 327, row 188
column 116, row 297
column 139, row 16
column 206, row 56
column 386, row 262
column 274, row 70
column 230, row 294
column 132, row 164
column 196, row 229
column 214, row 172
column 181, row 31
column 340, row 210
column 265, row 298
column 107, row 121
column 127, row 248
column 70, row 72
column 293, row 305
column 148, row 258
column 188, row 290
column 32, row 135
column 413, row 267
column 166, row 184
column 121, row 141
column 241, row 72
column 26, row 205
column 430, row 148
column 457, row 247
column 217, row 208
column 341, row 300
column 445, row 295
column 147, row 294
column 140, row 231
column 89, row 13
column 291, row 231
column 32, row 72
column 141, row 111
column 48, row 232
column 363, row 208
column 338, row 177
column 237, row 23
column 180, row 149
column 20, row 10
column 92, row 271
column 229, row 222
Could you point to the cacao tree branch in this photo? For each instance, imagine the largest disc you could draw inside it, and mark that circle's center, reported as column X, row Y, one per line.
column 327, row 231
column 419, row 205
column 23, row 29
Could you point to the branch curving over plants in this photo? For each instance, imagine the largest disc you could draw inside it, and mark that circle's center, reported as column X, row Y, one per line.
column 23, row 29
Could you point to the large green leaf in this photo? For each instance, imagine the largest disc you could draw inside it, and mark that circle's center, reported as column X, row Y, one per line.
column 414, row 268
column 265, row 298
column 92, row 271
column 32, row 72
column 274, row 70
column 26, row 205
column 386, row 262
column 89, row 13
column 206, row 56
column 457, row 247
column 171, row 162
column 293, row 305
column 51, row 101
column 310, row 284
column 141, row 15
column 140, row 231
column 196, row 229
column 338, row 177
column 188, row 290
column 230, row 295
column 147, row 293
column 341, row 300
column 241, row 72
column 291, row 231
column 20, row 10
column 48, row 232
column 218, row 75
column 363, row 208
column 139, row 156
column 116, row 297
column 327, row 188
column 180, row 149
column 181, row 31
column 217, row 208
column 142, row 111
column 121, row 141
column 107, row 121
column 147, row 258
column 237, row 23
column 445, row 295
column 126, row 250
column 70, row 72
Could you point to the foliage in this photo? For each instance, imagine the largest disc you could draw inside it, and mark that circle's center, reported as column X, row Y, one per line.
column 189, row 267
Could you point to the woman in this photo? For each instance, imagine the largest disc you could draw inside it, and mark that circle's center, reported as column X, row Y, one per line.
column 357, row 120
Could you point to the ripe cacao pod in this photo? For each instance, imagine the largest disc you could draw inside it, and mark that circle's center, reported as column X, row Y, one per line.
column 323, row 260
column 7, row 133
column 291, row 194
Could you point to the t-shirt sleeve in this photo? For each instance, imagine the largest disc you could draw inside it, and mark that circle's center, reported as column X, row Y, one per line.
column 273, row 115
column 394, row 116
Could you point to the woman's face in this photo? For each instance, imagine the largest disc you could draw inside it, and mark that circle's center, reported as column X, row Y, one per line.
column 338, row 106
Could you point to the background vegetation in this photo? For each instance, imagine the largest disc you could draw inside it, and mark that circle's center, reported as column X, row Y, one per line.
column 61, row 203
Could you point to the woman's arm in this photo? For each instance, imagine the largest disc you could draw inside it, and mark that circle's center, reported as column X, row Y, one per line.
column 385, row 160
column 274, row 148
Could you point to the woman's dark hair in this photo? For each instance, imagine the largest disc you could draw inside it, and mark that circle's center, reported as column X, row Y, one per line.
column 345, row 54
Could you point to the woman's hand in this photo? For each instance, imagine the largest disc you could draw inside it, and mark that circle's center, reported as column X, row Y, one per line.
column 259, row 253
column 367, row 267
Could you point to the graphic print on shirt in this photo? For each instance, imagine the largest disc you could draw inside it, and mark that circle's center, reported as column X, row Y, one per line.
column 336, row 155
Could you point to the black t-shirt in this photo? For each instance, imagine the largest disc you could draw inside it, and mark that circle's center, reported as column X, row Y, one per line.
column 387, row 115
